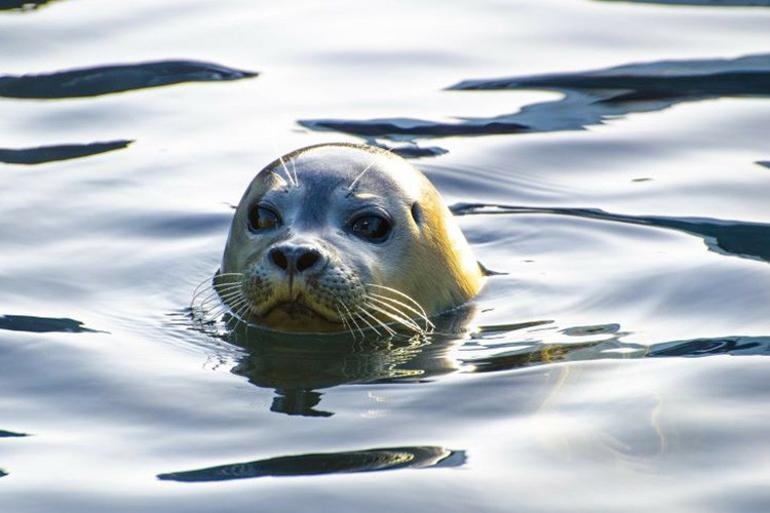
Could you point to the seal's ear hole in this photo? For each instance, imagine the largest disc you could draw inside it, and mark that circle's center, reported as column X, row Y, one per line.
column 416, row 213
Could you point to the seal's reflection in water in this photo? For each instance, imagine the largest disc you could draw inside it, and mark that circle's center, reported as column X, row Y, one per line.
column 298, row 366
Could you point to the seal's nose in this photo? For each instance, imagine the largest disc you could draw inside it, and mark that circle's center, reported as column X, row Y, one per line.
column 295, row 258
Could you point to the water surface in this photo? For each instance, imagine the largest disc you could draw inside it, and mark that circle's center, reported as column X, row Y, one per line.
column 608, row 160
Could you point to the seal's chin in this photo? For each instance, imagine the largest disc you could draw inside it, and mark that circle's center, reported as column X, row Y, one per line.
column 298, row 316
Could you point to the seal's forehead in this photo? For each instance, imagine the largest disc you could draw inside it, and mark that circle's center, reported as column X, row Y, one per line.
column 362, row 169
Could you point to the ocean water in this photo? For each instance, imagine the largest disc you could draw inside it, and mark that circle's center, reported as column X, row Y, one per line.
column 609, row 160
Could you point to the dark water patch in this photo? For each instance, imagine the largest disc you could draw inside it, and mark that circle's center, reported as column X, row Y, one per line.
column 663, row 80
column 736, row 238
column 100, row 80
column 395, row 127
column 702, row 3
column 590, row 97
column 368, row 460
column 764, row 163
column 11, row 434
column 43, row 154
column 539, row 353
column 3, row 473
column 414, row 151
column 22, row 5
column 712, row 346
column 42, row 324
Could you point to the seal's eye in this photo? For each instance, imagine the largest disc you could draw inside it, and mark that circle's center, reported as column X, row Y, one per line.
column 371, row 228
column 262, row 218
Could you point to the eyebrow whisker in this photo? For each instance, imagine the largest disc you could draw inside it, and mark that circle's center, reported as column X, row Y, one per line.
column 288, row 173
column 360, row 175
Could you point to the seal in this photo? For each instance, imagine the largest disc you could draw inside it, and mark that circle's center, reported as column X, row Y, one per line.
column 344, row 237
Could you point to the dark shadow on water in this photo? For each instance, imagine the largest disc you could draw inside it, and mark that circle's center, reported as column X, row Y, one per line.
column 22, row 5
column 589, row 98
column 409, row 127
column 3, row 473
column 11, row 434
column 101, row 80
column 43, row 154
column 368, row 460
column 703, row 3
column 42, row 324
column 736, row 238
column 712, row 346
column 414, row 151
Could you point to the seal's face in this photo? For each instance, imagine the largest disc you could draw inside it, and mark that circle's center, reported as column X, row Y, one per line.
column 343, row 237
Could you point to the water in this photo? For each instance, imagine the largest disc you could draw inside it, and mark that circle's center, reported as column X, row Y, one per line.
column 619, row 180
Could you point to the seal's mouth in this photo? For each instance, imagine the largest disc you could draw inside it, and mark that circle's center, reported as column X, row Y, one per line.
column 298, row 315
column 296, row 308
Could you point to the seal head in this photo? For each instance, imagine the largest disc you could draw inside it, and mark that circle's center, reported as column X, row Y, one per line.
column 342, row 237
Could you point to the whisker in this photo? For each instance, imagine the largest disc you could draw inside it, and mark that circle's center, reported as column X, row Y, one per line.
column 394, row 316
column 230, row 295
column 216, row 311
column 367, row 322
column 238, row 303
column 203, row 287
column 241, row 311
column 344, row 320
column 226, row 286
column 384, row 326
column 283, row 164
column 360, row 175
column 211, row 283
column 405, row 296
column 350, row 314
column 388, row 303
column 286, row 169
column 214, row 298
column 237, row 313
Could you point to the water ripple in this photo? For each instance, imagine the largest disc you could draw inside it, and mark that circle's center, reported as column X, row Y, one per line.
column 736, row 238
column 590, row 97
column 43, row 154
column 101, row 80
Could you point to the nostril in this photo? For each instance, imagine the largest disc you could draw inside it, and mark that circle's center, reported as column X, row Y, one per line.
column 307, row 259
column 279, row 258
